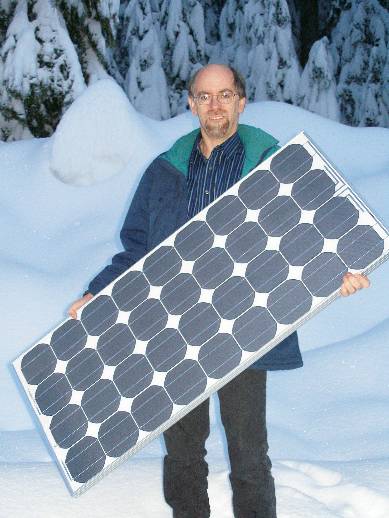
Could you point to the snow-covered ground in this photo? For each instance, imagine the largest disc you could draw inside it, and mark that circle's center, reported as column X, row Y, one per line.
column 62, row 203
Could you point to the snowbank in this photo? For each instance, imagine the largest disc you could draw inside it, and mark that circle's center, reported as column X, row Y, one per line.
column 98, row 136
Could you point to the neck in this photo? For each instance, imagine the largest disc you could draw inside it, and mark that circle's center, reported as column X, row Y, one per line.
column 208, row 144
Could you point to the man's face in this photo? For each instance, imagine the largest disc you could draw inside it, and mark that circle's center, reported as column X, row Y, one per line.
column 218, row 121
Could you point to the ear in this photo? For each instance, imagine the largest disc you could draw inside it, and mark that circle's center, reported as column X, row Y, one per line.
column 192, row 105
column 242, row 104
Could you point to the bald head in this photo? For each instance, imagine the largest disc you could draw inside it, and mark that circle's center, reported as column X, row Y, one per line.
column 221, row 72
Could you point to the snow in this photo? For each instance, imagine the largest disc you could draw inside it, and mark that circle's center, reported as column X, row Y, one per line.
column 92, row 145
column 35, row 52
column 145, row 80
column 63, row 201
column 360, row 50
column 317, row 88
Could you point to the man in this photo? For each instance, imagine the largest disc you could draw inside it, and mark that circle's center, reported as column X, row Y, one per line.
column 179, row 183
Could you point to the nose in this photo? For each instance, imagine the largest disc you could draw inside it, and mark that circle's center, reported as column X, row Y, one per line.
column 214, row 102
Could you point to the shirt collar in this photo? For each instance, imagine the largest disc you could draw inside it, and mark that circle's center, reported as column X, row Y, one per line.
column 228, row 147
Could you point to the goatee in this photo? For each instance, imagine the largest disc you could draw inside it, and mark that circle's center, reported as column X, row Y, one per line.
column 217, row 129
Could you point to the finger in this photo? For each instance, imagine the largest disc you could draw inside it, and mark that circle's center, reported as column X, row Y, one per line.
column 347, row 287
column 358, row 281
column 363, row 280
column 354, row 281
column 344, row 291
column 73, row 310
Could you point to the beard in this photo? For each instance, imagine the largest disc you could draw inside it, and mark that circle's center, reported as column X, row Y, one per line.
column 218, row 128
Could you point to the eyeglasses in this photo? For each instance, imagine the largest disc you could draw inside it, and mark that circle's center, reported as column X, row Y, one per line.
column 225, row 97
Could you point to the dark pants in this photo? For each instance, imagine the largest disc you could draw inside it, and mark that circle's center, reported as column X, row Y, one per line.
column 243, row 413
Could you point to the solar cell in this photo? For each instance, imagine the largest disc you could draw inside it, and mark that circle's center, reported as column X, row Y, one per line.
column 198, row 309
column 69, row 425
column 213, row 268
column 279, row 216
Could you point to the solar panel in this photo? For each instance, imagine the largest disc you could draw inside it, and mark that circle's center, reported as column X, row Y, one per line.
column 210, row 300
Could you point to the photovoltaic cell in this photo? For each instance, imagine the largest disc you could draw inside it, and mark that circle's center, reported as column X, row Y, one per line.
column 69, row 339
column 84, row 369
column 199, row 323
column 279, row 299
column 116, row 344
column 69, row 425
column 166, row 349
column 213, row 268
column 246, row 242
column 226, row 215
column 258, row 189
column 148, row 319
column 198, row 309
column 279, row 216
column 152, row 408
column 301, row 244
column 99, row 315
column 313, row 189
column 360, row 246
column 291, row 163
column 53, row 394
column 100, row 400
column 38, row 364
column 220, row 355
column 254, row 329
column 85, row 459
column 133, row 375
column 194, row 240
column 267, row 271
column 180, row 294
column 130, row 291
column 233, row 297
column 323, row 275
column 185, row 382
column 118, row 433
column 336, row 217
column 161, row 266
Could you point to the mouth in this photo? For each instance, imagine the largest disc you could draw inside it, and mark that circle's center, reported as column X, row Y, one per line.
column 215, row 117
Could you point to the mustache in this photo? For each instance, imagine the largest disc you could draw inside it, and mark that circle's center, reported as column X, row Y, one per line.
column 216, row 113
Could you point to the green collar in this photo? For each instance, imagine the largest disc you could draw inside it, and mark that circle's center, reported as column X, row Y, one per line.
column 255, row 142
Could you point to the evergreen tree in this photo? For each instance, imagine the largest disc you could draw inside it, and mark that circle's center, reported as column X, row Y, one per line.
column 273, row 69
column 232, row 35
column 295, row 16
column 324, row 13
column 92, row 26
column 7, row 8
column 336, row 8
column 120, row 51
column 145, row 82
column 212, row 12
column 182, row 38
column 360, row 46
column 257, row 51
column 309, row 19
column 40, row 73
column 317, row 88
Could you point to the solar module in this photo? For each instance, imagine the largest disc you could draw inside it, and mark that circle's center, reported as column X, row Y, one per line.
column 214, row 297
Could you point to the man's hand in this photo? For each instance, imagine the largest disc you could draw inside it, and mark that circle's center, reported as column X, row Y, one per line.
column 353, row 282
column 78, row 304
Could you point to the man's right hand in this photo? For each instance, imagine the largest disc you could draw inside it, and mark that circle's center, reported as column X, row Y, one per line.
column 78, row 304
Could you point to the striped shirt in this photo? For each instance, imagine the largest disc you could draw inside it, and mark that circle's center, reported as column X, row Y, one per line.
column 210, row 178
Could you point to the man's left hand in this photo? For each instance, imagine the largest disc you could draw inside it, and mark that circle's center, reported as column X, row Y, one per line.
column 353, row 282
